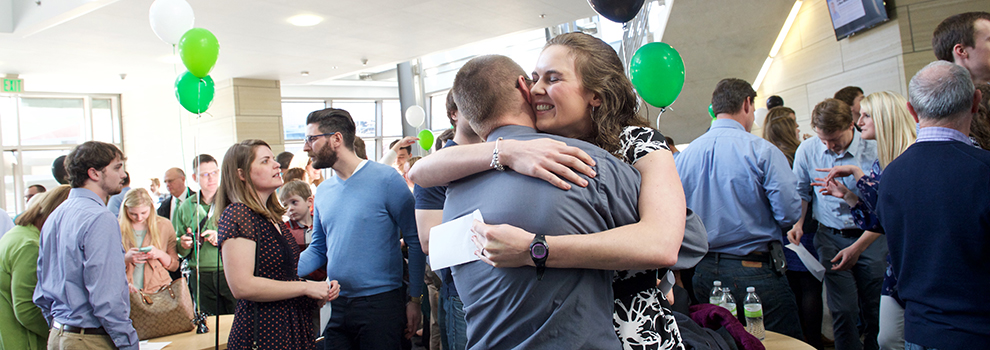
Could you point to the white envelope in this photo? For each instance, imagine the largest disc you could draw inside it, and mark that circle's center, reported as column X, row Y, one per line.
column 450, row 242
column 809, row 260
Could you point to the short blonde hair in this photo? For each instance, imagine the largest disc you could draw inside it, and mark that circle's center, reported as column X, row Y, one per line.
column 893, row 124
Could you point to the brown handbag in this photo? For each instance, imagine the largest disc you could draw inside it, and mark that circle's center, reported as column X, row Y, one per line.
column 165, row 312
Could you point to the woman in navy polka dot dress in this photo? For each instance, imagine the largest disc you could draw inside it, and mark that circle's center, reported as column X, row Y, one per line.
column 274, row 306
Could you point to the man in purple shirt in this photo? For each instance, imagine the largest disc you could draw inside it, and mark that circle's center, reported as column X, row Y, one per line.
column 82, row 286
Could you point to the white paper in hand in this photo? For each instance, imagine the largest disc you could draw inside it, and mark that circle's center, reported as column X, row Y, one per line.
column 809, row 260
column 450, row 242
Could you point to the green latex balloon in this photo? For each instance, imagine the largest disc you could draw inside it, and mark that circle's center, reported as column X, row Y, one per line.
column 657, row 72
column 199, row 49
column 194, row 94
column 711, row 112
column 426, row 139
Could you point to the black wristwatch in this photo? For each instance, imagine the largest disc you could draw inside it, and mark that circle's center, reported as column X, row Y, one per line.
column 538, row 250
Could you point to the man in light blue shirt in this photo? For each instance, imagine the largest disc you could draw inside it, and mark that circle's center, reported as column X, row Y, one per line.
column 115, row 201
column 857, row 287
column 82, row 287
column 743, row 189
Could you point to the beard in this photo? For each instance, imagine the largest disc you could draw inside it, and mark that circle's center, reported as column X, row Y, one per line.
column 112, row 188
column 324, row 157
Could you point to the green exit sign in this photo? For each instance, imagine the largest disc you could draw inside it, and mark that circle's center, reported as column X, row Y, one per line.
column 13, row 85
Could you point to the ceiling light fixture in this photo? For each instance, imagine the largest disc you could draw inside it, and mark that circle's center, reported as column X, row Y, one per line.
column 777, row 44
column 543, row 15
column 334, row 67
column 305, row 20
column 304, row 73
column 364, row 61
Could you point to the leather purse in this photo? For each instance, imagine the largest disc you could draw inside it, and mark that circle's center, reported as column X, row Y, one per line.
column 165, row 312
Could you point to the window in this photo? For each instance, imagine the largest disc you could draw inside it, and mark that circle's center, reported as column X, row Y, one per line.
column 37, row 128
column 373, row 119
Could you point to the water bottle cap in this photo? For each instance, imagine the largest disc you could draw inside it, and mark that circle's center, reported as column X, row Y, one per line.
column 718, row 283
column 750, row 290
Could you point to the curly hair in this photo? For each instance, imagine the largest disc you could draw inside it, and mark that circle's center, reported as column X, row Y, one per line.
column 602, row 73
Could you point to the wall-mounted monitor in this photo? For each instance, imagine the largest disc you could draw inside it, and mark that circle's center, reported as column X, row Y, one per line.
column 853, row 16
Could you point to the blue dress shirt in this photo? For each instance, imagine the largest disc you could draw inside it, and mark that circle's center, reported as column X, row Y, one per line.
column 81, row 278
column 830, row 211
column 742, row 187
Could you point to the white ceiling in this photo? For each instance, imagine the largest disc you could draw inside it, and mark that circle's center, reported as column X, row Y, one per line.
column 256, row 41
column 88, row 51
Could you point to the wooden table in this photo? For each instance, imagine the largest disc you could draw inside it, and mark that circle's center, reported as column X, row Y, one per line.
column 190, row 340
column 777, row 341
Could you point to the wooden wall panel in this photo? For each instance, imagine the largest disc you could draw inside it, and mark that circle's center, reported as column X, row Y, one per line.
column 927, row 15
column 257, row 100
column 883, row 42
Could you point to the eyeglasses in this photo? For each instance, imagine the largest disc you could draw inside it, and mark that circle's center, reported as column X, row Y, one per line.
column 312, row 138
column 210, row 174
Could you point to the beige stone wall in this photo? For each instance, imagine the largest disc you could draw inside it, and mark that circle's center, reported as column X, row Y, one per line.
column 242, row 109
column 811, row 65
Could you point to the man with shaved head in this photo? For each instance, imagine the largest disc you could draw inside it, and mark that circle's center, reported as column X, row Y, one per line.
column 533, row 307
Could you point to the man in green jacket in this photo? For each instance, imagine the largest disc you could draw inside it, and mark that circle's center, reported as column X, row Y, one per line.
column 197, row 235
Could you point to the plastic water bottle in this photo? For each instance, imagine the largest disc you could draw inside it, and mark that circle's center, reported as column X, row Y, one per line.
column 729, row 302
column 754, row 314
column 716, row 297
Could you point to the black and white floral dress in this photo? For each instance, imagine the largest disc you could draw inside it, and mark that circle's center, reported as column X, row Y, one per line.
column 640, row 321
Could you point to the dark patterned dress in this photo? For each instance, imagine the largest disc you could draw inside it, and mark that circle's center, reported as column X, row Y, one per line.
column 283, row 324
column 640, row 320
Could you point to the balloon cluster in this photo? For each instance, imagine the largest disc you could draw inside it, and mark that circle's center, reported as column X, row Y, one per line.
column 656, row 69
column 172, row 21
column 415, row 116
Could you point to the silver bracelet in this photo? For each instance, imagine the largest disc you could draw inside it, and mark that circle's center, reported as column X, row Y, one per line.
column 495, row 163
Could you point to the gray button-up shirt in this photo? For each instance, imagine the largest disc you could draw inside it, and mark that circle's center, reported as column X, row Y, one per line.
column 508, row 308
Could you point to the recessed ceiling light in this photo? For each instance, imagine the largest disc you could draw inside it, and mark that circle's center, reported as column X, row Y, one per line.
column 334, row 67
column 304, row 73
column 305, row 20
column 543, row 15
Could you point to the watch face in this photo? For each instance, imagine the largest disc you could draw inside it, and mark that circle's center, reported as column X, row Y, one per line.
column 538, row 251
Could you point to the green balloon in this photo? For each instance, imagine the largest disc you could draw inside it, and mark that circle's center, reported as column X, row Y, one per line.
column 199, row 49
column 657, row 72
column 426, row 139
column 194, row 94
column 711, row 112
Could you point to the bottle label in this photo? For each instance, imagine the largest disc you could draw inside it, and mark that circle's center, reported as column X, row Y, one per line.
column 753, row 310
column 714, row 300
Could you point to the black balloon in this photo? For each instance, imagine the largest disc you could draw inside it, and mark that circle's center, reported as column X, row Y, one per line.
column 58, row 171
column 620, row 11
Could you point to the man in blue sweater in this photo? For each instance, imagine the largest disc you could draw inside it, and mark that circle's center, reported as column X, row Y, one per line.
column 359, row 216
column 934, row 204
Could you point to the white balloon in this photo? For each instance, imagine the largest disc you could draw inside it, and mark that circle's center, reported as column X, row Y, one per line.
column 415, row 116
column 170, row 19
column 761, row 113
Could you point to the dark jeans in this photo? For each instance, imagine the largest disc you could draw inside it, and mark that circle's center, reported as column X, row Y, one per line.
column 372, row 322
column 214, row 298
column 853, row 290
column 455, row 323
column 808, row 291
column 779, row 308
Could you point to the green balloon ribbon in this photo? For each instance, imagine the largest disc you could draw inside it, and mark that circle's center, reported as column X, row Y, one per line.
column 194, row 94
column 199, row 49
column 657, row 72
column 426, row 139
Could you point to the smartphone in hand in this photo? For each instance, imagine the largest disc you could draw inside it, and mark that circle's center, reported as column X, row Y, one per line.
column 145, row 249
